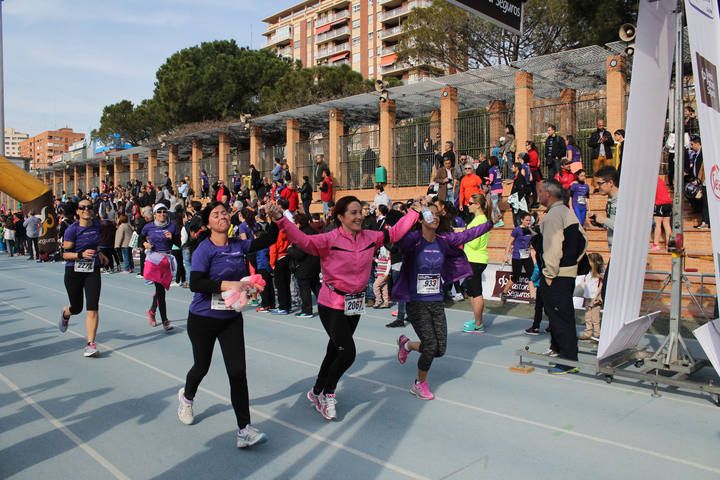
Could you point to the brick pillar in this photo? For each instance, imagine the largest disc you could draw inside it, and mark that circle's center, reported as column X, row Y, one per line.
column 88, row 175
column 292, row 138
column 54, row 184
column 615, row 92
column 524, row 100
column 255, row 146
column 172, row 162
column 568, row 97
column 388, row 112
column 448, row 114
column 223, row 153
column 195, row 165
column 337, row 129
column 496, row 110
column 133, row 166
column 65, row 181
column 117, row 164
column 76, row 178
column 151, row 165
column 102, row 170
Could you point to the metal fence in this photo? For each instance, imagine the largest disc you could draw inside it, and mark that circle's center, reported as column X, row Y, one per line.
column 305, row 153
column 267, row 159
column 142, row 174
column 359, row 155
column 578, row 119
column 210, row 165
column 413, row 153
column 123, row 178
column 183, row 168
column 479, row 131
column 239, row 161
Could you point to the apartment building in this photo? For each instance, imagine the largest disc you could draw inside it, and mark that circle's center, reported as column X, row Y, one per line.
column 360, row 33
column 52, row 143
column 12, row 142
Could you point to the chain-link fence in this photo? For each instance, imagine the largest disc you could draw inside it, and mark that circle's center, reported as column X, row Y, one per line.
column 210, row 165
column 183, row 168
column 267, row 159
column 359, row 155
column 479, row 131
column 413, row 153
column 239, row 161
column 578, row 119
column 305, row 153
column 142, row 174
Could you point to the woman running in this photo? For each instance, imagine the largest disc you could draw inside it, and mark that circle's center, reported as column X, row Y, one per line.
column 218, row 265
column 346, row 255
column 429, row 260
column 477, row 254
column 159, row 236
column 81, row 252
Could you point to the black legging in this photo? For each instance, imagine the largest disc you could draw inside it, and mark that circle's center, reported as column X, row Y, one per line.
column 282, row 283
column 158, row 301
column 340, row 353
column 78, row 282
column 267, row 296
column 203, row 331
column 307, row 287
column 180, row 276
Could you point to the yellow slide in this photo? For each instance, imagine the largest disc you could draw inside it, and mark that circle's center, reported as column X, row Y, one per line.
column 35, row 196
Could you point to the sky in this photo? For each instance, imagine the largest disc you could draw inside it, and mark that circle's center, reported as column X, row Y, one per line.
column 64, row 60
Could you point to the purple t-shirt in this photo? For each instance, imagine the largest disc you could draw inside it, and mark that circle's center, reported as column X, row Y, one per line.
column 428, row 267
column 245, row 228
column 83, row 238
column 580, row 194
column 156, row 236
column 497, row 179
column 521, row 245
column 528, row 174
column 225, row 262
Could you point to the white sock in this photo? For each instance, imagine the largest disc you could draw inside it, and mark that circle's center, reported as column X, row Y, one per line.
column 406, row 347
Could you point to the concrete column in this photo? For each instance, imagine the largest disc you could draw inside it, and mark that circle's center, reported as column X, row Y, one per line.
column 336, row 129
column 88, row 176
column 172, row 162
column 566, row 126
column 223, row 152
column 195, row 165
column 615, row 92
column 151, row 165
column 134, row 160
column 497, row 110
column 292, row 138
column 102, row 169
column 524, row 100
column 116, row 170
column 65, row 181
column 255, row 146
column 448, row 114
column 76, row 178
column 388, row 113
column 54, row 183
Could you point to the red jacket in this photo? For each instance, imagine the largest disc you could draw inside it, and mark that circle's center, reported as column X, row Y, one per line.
column 469, row 185
column 534, row 159
column 565, row 178
column 279, row 249
column 292, row 197
column 662, row 194
column 326, row 190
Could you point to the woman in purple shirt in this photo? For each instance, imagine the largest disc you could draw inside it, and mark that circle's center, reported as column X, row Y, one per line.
column 218, row 265
column 518, row 250
column 159, row 236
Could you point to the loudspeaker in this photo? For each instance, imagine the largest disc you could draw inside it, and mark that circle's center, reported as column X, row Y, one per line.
column 384, row 96
column 627, row 32
column 379, row 85
column 630, row 49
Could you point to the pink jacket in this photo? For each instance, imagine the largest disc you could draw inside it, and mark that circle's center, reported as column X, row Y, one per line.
column 345, row 260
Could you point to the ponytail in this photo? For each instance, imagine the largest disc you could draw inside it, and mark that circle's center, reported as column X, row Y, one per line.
column 484, row 204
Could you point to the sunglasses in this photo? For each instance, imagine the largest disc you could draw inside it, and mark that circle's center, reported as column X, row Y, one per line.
column 82, row 208
column 162, row 211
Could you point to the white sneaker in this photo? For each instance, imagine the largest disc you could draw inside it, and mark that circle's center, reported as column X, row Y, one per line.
column 249, row 436
column 550, row 353
column 458, row 297
column 327, row 406
column 175, row 284
column 185, row 410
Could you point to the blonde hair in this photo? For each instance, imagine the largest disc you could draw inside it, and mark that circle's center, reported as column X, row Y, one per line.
column 483, row 204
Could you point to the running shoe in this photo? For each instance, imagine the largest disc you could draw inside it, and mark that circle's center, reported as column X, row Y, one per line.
column 458, row 297
column 63, row 323
column 148, row 282
column 421, row 391
column 279, row 311
column 499, row 224
column 175, row 284
column 139, row 275
column 550, row 353
column 167, row 326
column 327, row 406
column 314, row 399
column 185, row 408
column 90, row 350
column 394, row 313
column 264, row 309
column 402, row 351
column 532, row 331
column 249, row 436
column 562, row 370
column 472, row 328
column 151, row 318
column 304, row 315
column 254, row 303
column 395, row 324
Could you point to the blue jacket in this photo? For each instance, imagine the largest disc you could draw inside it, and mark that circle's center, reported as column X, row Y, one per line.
column 455, row 267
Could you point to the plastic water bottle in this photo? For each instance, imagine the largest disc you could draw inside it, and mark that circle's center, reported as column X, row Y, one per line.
column 427, row 215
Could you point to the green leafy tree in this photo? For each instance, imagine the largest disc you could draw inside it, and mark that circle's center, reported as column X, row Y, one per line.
column 597, row 23
column 134, row 124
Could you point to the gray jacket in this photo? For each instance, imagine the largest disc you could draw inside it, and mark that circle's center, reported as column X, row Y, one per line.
column 609, row 224
column 32, row 227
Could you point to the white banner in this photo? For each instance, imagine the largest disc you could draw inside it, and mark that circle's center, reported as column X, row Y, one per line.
column 703, row 19
column 652, row 64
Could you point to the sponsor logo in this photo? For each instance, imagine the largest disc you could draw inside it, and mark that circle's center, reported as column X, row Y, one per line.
column 715, row 180
column 704, row 6
column 708, row 82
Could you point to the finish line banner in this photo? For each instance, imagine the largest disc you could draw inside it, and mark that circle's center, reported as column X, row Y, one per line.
column 703, row 19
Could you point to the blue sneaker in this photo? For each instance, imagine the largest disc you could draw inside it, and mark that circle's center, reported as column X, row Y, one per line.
column 562, row 370
column 148, row 282
column 472, row 328
column 279, row 311
column 304, row 315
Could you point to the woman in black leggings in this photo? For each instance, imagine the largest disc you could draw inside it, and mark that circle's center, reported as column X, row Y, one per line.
column 82, row 258
column 218, row 265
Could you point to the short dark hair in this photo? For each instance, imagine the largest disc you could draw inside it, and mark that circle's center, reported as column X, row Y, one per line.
column 607, row 173
column 696, row 139
column 284, row 204
column 620, row 132
column 551, row 125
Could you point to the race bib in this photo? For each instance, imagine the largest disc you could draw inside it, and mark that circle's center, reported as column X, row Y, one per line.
column 85, row 266
column 524, row 253
column 581, row 200
column 428, row 284
column 355, row 304
column 218, row 303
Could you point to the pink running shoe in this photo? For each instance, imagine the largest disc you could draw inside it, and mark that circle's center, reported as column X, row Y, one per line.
column 421, row 391
column 328, row 403
column 314, row 399
column 402, row 352
column 151, row 318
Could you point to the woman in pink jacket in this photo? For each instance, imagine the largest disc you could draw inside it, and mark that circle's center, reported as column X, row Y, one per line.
column 346, row 255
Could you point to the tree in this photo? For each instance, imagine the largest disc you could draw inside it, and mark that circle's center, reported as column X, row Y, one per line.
column 597, row 23
column 447, row 36
column 214, row 81
column 134, row 124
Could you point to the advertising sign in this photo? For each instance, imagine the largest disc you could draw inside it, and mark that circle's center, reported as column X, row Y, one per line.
column 519, row 292
column 507, row 14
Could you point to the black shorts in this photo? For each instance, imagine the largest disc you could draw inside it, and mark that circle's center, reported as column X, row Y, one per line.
column 473, row 285
column 664, row 210
column 520, row 264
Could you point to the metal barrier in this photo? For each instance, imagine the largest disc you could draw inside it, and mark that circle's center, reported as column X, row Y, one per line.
column 474, row 131
column 210, row 165
column 666, row 291
column 359, row 155
column 183, row 168
column 267, row 159
column 239, row 161
column 305, row 153
column 413, row 153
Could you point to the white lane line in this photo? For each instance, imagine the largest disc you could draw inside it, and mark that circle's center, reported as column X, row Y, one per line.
column 104, row 462
column 595, row 384
column 353, row 451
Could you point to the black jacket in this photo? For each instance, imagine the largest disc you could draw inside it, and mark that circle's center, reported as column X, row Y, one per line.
column 595, row 142
column 555, row 148
column 304, row 265
column 306, row 192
